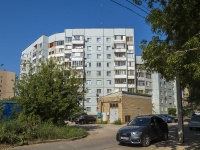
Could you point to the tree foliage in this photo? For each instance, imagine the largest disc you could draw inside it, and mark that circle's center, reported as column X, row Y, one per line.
column 51, row 93
column 176, row 47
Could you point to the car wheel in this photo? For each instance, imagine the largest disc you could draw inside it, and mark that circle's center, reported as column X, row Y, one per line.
column 146, row 140
column 165, row 136
column 82, row 122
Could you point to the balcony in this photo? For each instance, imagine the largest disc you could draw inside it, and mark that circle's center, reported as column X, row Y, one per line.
column 120, row 50
column 120, row 85
column 79, row 50
column 120, row 67
column 120, row 58
column 120, row 76
column 120, row 39
column 76, row 58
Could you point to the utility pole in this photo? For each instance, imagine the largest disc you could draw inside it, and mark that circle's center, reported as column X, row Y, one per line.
column 84, row 76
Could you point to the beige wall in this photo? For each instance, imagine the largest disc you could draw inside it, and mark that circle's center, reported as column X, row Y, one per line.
column 128, row 104
column 6, row 84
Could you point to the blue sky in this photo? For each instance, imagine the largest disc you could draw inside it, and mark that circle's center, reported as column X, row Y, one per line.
column 23, row 21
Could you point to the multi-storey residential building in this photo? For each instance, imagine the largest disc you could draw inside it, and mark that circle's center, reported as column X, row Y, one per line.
column 163, row 92
column 104, row 56
column 7, row 80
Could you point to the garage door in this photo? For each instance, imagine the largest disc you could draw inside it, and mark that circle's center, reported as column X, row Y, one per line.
column 113, row 115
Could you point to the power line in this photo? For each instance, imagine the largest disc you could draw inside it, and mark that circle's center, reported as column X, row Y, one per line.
column 127, row 8
column 137, row 6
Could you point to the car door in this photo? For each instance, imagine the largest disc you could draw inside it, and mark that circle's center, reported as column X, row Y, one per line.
column 154, row 128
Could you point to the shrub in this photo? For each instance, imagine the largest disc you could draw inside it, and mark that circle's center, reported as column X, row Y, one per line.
column 117, row 122
column 19, row 132
column 172, row 111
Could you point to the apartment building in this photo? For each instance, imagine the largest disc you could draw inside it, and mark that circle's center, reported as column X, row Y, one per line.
column 7, row 80
column 104, row 56
column 163, row 92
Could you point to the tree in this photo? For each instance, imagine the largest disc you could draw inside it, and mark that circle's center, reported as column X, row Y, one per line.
column 174, row 51
column 51, row 93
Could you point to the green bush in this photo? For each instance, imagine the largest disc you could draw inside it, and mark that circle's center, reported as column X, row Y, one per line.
column 117, row 122
column 172, row 111
column 19, row 132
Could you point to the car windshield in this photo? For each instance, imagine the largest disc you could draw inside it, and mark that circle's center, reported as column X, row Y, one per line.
column 139, row 122
column 196, row 118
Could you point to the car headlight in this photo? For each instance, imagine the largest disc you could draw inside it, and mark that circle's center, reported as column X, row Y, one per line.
column 136, row 133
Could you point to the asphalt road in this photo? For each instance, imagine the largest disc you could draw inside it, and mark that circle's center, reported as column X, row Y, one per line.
column 102, row 137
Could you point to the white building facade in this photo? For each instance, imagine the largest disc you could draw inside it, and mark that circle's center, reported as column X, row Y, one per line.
column 106, row 55
column 163, row 92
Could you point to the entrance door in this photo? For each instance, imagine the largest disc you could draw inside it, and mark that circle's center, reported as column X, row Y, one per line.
column 113, row 115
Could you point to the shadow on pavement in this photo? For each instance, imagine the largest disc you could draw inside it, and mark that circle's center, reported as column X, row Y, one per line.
column 191, row 139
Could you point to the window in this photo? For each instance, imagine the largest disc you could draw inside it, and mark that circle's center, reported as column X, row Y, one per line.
column 77, row 54
column 131, row 64
column 120, row 55
column 40, row 45
column 120, row 72
column 120, row 46
column 108, row 40
column 120, row 63
column 120, row 81
column 89, row 48
column 112, row 105
column 109, row 91
column 60, row 58
column 88, row 109
column 129, row 39
column 109, row 64
column 99, row 48
column 98, row 40
column 88, row 82
column 76, row 37
column 68, row 39
column 108, row 48
column 140, row 83
column 131, row 72
column 148, row 76
column 89, row 56
column 127, row 118
column 61, row 50
column 130, row 81
column 89, row 40
column 98, row 82
column 88, row 64
column 98, row 64
column 148, row 83
column 108, row 82
column 118, row 37
column 130, row 55
column 59, row 43
column 89, row 90
column 108, row 56
column 99, row 91
column 68, row 46
column 67, row 55
column 108, row 73
column 88, row 73
column 98, row 73
column 77, row 63
column 88, row 100
column 98, row 56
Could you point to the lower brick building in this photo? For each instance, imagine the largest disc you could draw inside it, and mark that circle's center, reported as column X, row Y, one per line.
column 124, row 106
